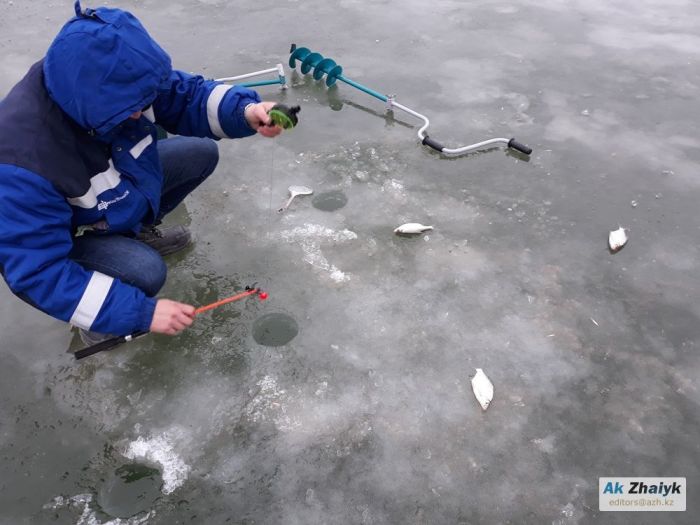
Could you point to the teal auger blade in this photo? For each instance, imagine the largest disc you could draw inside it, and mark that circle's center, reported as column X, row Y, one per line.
column 316, row 62
column 297, row 53
column 310, row 62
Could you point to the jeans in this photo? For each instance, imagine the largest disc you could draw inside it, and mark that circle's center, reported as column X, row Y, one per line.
column 186, row 162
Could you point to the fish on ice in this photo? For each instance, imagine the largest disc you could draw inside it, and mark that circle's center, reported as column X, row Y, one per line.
column 483, row 388
column 412, row 227
column 617, row 239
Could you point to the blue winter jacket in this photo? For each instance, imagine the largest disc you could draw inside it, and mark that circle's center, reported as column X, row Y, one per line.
column 71, row 157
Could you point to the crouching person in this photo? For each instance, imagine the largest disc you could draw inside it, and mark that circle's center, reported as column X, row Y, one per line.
column 84, row 181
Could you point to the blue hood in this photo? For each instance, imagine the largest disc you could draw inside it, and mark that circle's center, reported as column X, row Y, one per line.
column 102, row 67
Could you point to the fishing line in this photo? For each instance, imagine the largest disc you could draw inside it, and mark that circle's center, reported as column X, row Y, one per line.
column 266, row 257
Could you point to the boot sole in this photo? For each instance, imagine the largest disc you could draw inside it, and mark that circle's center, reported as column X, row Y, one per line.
column 173, row 249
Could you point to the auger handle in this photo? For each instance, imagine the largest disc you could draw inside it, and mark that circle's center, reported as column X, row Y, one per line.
column 433, row 144
column 512, row 143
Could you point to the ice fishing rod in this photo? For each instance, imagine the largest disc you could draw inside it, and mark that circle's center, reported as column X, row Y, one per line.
column 116, row 341
column 327, row 66
column 280, row 115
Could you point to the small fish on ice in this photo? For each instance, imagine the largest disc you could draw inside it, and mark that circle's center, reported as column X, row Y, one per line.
column 617, row 239
column 412, row 227
column 483, row 388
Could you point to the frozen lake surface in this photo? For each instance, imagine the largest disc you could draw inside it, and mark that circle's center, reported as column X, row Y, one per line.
column 367, row 416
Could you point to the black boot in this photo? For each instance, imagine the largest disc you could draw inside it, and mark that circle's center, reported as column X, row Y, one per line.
column 165, row 240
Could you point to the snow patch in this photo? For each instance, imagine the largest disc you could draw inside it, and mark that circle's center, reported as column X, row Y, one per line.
column 159, row 450
column 309, row 237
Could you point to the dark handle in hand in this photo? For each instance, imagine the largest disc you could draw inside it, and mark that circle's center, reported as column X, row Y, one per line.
column 106, row 345
column 512, row 143
column 433, row 144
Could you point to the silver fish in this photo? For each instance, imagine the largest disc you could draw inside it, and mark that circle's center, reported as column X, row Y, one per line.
column 483, row 388
column 617, row 239
column 412, row 227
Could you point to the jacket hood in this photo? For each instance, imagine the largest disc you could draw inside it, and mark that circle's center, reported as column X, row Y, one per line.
column 102, row 67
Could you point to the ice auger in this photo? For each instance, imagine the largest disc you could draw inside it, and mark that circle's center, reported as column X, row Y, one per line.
column 326, row 66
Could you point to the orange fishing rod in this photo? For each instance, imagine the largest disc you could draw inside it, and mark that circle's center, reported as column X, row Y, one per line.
column 250, row 290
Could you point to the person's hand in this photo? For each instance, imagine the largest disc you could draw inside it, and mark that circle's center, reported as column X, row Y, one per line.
column 259, row 120
column 171, row 317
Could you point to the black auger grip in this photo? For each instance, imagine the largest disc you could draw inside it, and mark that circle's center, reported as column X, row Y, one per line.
column 433, row 144
column 512, row 143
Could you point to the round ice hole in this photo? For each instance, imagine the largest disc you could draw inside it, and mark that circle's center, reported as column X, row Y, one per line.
column 274, row 329
column 329, row 201
column 130, row 489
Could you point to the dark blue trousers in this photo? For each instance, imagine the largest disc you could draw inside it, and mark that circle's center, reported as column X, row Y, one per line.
column 187, row 162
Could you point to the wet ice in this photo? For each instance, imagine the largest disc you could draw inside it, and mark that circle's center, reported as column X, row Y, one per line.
column 367, row 415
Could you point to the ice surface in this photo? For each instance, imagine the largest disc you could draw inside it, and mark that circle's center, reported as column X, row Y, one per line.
column 91, row 516
column 367, row 415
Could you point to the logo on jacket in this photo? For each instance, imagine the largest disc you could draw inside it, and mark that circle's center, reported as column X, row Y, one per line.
column 103, row 205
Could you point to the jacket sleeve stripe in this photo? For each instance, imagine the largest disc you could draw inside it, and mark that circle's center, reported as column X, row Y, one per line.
column 92, row 300
column 213, row 102
column 104, row 181
column 140, row 146
column 150, row 114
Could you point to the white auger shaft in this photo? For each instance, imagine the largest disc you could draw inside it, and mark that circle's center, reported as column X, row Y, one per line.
column 278, row 69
